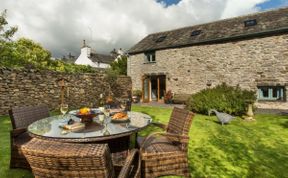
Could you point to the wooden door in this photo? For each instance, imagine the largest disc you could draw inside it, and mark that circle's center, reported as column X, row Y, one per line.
column 146, row 89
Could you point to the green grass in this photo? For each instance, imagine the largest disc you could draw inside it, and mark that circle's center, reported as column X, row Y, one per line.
column 240, row 149
column 5, row 127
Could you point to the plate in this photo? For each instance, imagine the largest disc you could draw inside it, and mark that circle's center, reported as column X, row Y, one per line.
column 120, row 120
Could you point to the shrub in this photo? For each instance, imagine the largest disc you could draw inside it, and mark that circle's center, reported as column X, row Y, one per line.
column 180, row 98
column 137, row 93
column 223, row 98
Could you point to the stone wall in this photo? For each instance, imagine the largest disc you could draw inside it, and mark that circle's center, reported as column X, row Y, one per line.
column 32, row 87
column 247, row 63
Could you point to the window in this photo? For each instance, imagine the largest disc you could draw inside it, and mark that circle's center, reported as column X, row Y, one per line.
column 271, row 93
column 150, row 57
column 160, row 39
column 196, row 32
column 249, row 23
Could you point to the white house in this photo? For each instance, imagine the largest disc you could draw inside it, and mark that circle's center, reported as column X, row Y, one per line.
column 87, row 57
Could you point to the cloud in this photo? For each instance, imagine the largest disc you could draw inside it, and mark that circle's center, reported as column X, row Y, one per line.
column 60, row 26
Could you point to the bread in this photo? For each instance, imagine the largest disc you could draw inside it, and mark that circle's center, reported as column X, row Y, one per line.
column 120, row 116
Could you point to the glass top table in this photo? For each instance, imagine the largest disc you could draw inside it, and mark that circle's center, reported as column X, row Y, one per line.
column 51, row 128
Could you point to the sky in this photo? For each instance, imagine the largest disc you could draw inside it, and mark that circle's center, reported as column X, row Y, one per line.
column 61, row 25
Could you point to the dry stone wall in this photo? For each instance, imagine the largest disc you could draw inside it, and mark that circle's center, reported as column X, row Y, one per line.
column 247, row 63
column 32, row 87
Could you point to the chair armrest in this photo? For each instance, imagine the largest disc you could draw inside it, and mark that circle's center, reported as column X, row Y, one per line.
column 183, row 139
column 175, row 137
column 126, row 169
column 18, row 131
column 158, row 124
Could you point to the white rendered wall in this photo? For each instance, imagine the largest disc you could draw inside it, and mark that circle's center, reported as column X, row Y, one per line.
column 83, row 59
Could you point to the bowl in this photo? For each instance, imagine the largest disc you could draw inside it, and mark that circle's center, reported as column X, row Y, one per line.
column 86, row 117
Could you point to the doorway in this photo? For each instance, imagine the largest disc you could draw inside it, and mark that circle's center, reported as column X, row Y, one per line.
column 153, row 88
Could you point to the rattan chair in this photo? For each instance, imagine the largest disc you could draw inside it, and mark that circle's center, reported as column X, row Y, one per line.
column 57, row 159
column 125, row 104
column 166, row 153
column 21, row 118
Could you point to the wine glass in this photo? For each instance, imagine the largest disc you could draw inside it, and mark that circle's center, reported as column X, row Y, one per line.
column 63, row 109
column 101, row 118
column 106, row 112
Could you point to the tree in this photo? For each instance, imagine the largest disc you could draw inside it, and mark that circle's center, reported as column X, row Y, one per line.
column 120, row 66
column 6, row 33
column 27, row 53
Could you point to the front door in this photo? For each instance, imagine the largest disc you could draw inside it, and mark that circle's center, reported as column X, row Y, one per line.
column 153, row 88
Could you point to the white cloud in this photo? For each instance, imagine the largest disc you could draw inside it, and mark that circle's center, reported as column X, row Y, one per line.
column 60, row 26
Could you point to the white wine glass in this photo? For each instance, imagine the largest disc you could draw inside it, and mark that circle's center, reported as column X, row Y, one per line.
column 63, row 109
column 106, row 112
column 101, row 118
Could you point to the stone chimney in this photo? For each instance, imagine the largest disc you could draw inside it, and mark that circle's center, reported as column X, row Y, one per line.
column 86, row 50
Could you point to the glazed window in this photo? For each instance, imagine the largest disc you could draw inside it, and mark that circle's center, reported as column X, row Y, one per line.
column 249, row 23
column 161, row 38
column 195, row 32
column 150, row 57
column 271, row 93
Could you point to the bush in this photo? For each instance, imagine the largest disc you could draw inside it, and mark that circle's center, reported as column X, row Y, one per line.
column 223, row 98
column 137, row 93
column 180, row 98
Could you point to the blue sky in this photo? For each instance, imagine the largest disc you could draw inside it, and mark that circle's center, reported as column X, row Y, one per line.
column 272, row 4
column 269, row 4
column 170, row 2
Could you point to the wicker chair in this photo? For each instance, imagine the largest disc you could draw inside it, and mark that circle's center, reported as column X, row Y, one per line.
column 165, row 153
column 21, row 118
column 120, row 104
column 57, row 159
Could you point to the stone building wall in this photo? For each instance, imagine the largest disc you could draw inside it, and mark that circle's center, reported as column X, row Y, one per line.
column 32, row 87
column 247, row 63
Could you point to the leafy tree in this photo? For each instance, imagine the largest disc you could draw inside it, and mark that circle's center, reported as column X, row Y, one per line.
column 28, row 54
column 120, row 66
column 6, row 33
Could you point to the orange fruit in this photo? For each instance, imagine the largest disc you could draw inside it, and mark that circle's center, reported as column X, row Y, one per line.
column 85, row 110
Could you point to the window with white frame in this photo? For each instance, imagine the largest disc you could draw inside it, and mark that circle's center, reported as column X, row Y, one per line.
column 271, row 93
column 150, row 57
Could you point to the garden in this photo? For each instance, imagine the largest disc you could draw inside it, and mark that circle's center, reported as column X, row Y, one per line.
column 239, row 149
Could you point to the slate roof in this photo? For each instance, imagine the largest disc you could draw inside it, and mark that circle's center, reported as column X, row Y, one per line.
column 95, row 57
column 267, row 23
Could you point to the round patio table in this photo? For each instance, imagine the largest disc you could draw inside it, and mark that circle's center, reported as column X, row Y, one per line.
column 51, row 128
column 117, row 135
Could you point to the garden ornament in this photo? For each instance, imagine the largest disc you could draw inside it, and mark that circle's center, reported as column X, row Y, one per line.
column 224, row 118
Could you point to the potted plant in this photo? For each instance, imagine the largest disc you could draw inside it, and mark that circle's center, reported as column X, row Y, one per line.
column 168, row 97
column 136, row 96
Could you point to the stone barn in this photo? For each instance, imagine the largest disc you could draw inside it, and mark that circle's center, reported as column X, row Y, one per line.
column 250, row 51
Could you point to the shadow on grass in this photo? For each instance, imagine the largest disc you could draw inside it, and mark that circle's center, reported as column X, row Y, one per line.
column 234, row 151
column 285, row 124
column 265, row 160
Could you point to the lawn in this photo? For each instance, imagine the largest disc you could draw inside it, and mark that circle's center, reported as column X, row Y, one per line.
column 240, row 149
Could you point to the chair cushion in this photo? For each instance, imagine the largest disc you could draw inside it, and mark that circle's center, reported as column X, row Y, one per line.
column 159, row 144
column 22, row 139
